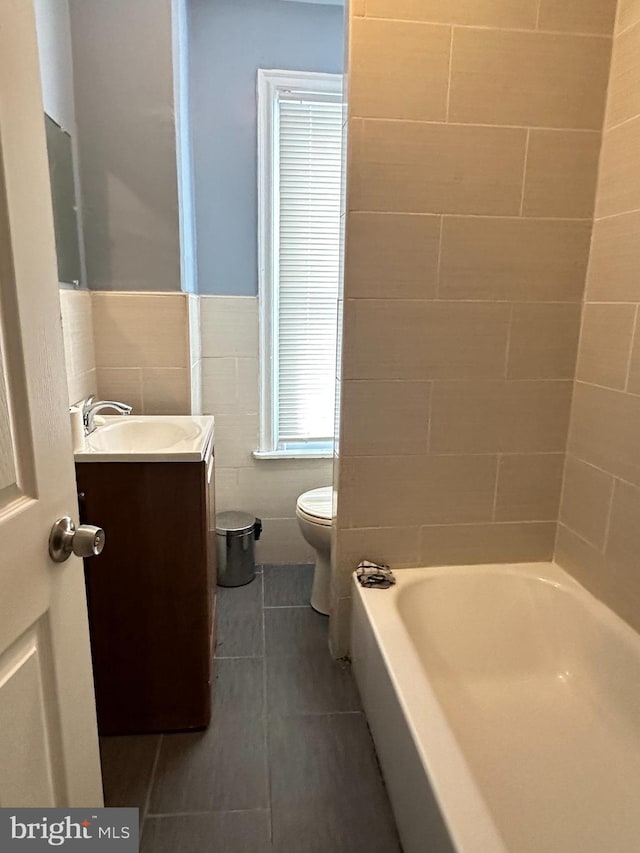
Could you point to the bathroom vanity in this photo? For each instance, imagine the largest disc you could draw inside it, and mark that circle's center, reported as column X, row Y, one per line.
column 151, row 595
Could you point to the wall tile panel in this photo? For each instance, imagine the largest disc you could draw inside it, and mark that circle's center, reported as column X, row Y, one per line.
column 467, row 544
column 619, row 182
column 578, row 16
column 624, row 82
column 499, row 417
column 543, row 340
column 402, row 491
column 604, row 431
column 403, row 339
column 529, row 487
column 392, row 256
column 513, row 259
column 385, row 418
column 605, row 344
column 586, row 500
column 614, row 260
column 528, row 79
column 412, row 167
column 562, row 167
column 399, row 70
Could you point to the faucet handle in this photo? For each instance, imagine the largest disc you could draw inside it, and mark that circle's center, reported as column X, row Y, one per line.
column 92, row 407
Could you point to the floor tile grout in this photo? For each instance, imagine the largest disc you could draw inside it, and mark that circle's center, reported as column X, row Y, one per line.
column 238, row 657
column 152, row 778
column 265, row 717
column 210, row 812
column 284, row 716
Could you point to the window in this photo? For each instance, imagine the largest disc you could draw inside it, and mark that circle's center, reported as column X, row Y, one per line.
column 299, row 167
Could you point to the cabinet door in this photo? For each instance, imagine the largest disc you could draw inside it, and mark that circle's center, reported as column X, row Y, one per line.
column 149, row 595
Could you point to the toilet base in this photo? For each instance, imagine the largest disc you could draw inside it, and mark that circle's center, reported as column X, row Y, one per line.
column 321, row 592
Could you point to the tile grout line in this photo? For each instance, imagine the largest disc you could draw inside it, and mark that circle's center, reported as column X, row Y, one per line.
column 439, row 264
column 594, row 131
column 212, row 812
column 573, row 455
column 631, row 348
column 141, row 388
column 447, row 453
column 608, row 387
column 527, row 142
column 607, row 526
column 152, row 779
column 452, row 214
column 265, row 714
column 238, row 657
column 319, row 714
column 496, row 489
column 561, row 500
column 625, row 29
column 507, row 349
column 448, row 103
column 495, row 379
column 607, row 216
column 430, row 416
column 609, row 128
column 483, row 523
column 501, row 29
column 583, row 539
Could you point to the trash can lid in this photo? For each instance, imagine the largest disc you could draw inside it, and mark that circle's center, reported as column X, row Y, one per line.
column 234, row 521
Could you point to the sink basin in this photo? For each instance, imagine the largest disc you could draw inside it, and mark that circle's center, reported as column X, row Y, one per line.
column 137, row 436
column 142, row 438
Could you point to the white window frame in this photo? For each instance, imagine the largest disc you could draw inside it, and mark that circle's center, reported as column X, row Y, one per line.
column 270, row 83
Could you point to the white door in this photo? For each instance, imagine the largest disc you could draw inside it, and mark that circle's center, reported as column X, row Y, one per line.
column 48, row 738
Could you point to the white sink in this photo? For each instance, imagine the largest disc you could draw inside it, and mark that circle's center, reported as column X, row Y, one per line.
column 147, row 438
column 131, row 436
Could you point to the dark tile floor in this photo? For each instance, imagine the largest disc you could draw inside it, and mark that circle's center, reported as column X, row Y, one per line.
column 287, row 764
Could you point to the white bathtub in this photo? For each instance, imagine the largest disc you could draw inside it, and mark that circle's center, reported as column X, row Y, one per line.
column 504, row 702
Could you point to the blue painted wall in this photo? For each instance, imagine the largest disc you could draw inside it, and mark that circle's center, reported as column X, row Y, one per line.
column 230, row 40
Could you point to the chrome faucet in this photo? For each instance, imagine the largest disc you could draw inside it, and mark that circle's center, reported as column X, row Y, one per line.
column 91, row 407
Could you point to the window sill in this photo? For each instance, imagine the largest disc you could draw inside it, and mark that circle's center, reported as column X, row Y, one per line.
column 290, row 454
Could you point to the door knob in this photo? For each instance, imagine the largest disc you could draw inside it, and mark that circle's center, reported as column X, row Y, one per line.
column 65, row 539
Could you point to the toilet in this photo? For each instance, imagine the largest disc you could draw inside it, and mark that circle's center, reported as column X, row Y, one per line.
column 314, row 511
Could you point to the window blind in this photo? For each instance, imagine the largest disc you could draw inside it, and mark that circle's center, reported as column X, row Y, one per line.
column 308, row 146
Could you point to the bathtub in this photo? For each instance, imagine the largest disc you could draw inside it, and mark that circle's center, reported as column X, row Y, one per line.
column 504, row 702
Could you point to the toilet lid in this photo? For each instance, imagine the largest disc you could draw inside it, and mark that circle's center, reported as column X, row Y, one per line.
column 318, row 503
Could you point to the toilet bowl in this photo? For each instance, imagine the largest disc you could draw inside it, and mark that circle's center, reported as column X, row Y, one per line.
column 314, row 511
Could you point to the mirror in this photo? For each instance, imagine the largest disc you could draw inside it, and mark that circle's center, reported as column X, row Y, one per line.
column 63, row 192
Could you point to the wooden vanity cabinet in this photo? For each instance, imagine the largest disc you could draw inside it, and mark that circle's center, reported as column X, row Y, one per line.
column 151, row 593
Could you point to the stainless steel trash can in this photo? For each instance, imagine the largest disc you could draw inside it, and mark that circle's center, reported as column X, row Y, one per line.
column 236, row 533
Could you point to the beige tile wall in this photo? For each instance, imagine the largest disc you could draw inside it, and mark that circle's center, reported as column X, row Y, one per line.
column 142, row 348
column 80, row 359
column 474, row 136
column 598, row 536
column 230, row 392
